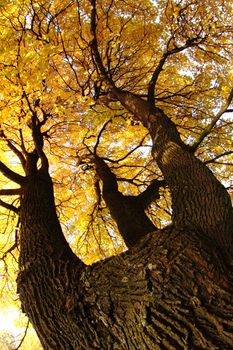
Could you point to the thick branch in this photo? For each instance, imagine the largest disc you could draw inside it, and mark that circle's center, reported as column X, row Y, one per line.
column 38, row 140
column 120, row 95
column 100, row 134
column 159, row 68
column 154, row 78
column 37, row 135
column 94, row 45
column 11, row 175
column 162, row 130
column 108, row 178
column 10, row 192
column 127, row 211
column 151, row 193
column 140, row 108
column 8, row 206
column 209, row 128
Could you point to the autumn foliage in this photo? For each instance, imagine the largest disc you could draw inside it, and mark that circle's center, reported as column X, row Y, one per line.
column 64, row 65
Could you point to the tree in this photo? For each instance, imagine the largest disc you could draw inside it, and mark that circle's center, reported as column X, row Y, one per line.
column 80, row 80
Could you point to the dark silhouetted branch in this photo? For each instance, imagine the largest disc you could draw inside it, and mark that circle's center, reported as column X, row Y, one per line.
column 212, row 160
column 151, row 193
column 10, row 192
column 127, row 211
column 108, row 178
column 100, row 134
column 209, row 128
column 8, row 206
column 11, row 175
column 151, row 87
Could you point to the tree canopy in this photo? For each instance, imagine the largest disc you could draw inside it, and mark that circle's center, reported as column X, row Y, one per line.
column 78, row 81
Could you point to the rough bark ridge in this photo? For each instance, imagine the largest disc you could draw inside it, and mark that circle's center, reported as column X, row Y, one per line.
column 199, row 200
column 168, row 292
column 171, row 291
column 37, row 212
column 46, row 262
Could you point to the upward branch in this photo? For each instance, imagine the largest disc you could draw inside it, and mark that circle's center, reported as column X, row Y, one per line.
column 11, row 175
column 152, row 118
column 108, row 178
column 37, row 135
column 210, row 127
column 127, row 211
column 38, row 139
column 154, row 78
column 94, row 46
column 9, row 206
column 13, row 148
column 151, row 87
column 151, row 193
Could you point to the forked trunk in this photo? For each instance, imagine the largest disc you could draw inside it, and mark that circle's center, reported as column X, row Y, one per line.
column 199, row 201
column 165, row 293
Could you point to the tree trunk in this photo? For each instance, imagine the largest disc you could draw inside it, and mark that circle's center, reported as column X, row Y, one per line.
column 168, row 292
column 172, row 290
column 199, row 201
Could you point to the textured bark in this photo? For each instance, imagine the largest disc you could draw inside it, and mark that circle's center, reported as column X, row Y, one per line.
column 199, row 201
column 41, row 233
column 46, row 262
column 168, row 292
column 172, row 290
